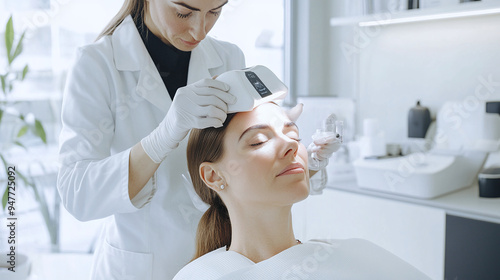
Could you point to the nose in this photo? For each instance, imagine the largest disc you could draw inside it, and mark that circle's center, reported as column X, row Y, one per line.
column 198, row 29
column 290, row 147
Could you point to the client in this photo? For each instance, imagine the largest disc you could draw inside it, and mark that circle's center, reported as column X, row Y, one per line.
column 251, row 171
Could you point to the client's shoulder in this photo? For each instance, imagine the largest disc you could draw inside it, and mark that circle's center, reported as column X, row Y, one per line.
column 348, row 241
column 367, row 258
column 351, row 244
column 201, row 265
column 212, row 265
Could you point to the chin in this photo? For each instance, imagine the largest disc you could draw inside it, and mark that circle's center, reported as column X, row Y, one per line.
column 183, row 48
column 180, row 45
column 301, row 191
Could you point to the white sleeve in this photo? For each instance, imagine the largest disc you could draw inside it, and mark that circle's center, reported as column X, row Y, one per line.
column 92, row 183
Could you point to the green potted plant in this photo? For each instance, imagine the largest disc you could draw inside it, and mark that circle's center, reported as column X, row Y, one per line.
column 15, row 127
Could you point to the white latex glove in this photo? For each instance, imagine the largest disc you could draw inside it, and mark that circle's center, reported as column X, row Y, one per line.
column 199, row 105
column 321, row 149
column 295, row 112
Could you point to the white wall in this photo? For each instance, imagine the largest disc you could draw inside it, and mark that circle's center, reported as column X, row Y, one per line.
column 432, row 61
column 342, row 66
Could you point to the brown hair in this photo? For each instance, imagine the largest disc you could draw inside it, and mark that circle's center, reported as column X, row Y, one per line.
column 136, row 8
column 214, row 228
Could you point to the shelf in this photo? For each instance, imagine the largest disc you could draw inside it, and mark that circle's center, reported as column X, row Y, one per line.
column 418, row 15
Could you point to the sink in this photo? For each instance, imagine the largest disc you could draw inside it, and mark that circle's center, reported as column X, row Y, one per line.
column 421, row 175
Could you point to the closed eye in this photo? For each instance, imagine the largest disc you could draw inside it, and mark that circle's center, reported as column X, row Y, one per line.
column 257, row 144
column 293, row 133
column 179, row 15
column 215, row 13
column 258, row 140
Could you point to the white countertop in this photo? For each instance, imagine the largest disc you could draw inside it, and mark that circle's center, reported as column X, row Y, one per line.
column 463, row 203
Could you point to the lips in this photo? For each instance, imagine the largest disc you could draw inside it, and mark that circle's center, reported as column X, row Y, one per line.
column 293, row 168
column 191, row 43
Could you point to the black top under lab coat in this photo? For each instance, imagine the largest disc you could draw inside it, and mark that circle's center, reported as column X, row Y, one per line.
column 172, row 64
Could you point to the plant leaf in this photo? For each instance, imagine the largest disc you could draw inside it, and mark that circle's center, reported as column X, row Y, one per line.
column 2, row 78
column 4, row 162
column 20, row 144
column 19, row 47
column 22, row 131
column 25, row 71
column 1, row 115
column 5, row 197
column 9, row 38
column 25, row 180
column 40, row 131
column 6, row 192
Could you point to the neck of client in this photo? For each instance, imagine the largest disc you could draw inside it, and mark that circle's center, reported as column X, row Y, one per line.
column 259, row 233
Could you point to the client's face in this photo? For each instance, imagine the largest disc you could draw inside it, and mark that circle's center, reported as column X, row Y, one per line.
column 264, row 163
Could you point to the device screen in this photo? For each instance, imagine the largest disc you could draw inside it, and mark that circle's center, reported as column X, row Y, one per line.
column 258, row 84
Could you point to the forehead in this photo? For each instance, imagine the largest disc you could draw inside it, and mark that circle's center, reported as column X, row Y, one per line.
column 267, row 113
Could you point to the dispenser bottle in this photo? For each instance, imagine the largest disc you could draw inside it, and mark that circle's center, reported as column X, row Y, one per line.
column 419, row 119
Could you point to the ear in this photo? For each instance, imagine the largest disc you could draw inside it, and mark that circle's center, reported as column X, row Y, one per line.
column 294, row 113
column 209, row 175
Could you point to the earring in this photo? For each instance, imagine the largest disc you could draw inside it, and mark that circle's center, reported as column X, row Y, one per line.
column 221, row 187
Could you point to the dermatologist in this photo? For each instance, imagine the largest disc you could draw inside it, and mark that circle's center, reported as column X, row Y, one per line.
column 131, row 98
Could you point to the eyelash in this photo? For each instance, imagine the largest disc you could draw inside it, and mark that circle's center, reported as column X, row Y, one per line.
column 179, row 15
column 215, row 13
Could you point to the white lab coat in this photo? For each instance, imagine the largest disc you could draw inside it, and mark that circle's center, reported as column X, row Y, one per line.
column 113, row 98
column 348, row 259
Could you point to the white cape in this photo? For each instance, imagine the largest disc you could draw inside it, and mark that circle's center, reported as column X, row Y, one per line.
column 320, row 259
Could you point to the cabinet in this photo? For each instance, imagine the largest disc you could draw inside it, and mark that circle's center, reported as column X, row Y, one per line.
column 472, row 249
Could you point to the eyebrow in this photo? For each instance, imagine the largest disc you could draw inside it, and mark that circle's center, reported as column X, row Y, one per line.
column 196, row 9
column 265, row 126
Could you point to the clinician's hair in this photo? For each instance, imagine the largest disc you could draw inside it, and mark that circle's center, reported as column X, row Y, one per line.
column 214, row 228
column 136, row 8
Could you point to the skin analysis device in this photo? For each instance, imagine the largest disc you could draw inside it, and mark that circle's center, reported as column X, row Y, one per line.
column 253, row 86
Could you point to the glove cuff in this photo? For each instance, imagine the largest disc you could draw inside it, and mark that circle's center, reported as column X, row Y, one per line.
column 316, row 164
column 157, row 148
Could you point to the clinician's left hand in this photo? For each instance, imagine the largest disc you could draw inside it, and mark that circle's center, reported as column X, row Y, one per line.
column 324, row 147
column 319, row 152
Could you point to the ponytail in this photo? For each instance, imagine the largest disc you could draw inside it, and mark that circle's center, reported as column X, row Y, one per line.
column 214, row 229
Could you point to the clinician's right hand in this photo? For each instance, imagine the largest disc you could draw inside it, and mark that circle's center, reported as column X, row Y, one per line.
column 199, row 105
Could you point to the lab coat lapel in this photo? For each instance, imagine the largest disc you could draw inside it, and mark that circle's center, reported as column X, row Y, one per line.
column 130, row 54
column 151, row 87
column 203, row 58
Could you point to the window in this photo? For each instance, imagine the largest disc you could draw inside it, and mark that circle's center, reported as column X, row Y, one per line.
column 257, row 27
